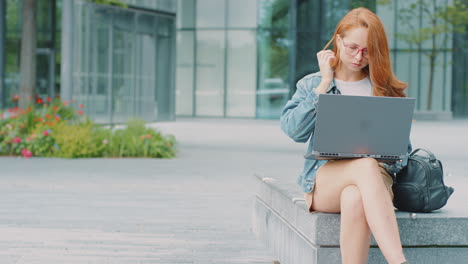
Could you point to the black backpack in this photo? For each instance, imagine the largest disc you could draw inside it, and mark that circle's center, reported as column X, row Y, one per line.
column 419, row 187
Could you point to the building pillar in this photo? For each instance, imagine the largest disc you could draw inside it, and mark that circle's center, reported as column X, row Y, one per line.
column 66, row 83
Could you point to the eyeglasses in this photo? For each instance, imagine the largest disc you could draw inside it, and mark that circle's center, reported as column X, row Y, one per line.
column 353, row 50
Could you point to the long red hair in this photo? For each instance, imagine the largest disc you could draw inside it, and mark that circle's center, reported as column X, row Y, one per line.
column 379, row 69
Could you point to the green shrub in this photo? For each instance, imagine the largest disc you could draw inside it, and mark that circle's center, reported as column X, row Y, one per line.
column 138, row 141
column 76, row 141
column 59, row 129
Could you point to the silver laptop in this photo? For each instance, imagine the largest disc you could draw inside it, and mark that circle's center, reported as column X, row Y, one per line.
column 362, row 126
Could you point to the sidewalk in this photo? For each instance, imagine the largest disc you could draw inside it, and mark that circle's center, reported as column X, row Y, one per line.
column 447, row 139
column 277, row 156
column 195, row 208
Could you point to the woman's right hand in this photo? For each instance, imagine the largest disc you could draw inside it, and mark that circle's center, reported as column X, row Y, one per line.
column 325, row 58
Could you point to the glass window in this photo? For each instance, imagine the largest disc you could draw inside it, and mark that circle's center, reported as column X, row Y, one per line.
column 241, row 73
column 12, row 50
column 145, row 24
column 145, row 68
column 407, row 71
column 44, row 23
column 211, row 13
column 97, row 103
column 184, row 73
column 42, row 74
column 186, row 14
column 58, row 46
column 242, row 13
column 123, row 54
column 273, row 88
column 273, row 59
column 307, row 40
column 210, row 73
column 102, row 89
column 333, row 12
column 166, row 5
column 386, row 14
column 123, row 63
column 460, row 81
column 438, row 86
column 150, row 4
column 273, row 13
column 165, row 70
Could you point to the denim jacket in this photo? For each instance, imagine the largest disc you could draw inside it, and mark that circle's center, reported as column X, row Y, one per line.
column 298, row 122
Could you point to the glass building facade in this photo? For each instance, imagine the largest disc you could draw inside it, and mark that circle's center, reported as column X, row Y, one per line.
column 216, row 58
column 158, row 59
column 243, row 58
column 118, row 61
column 411, row 63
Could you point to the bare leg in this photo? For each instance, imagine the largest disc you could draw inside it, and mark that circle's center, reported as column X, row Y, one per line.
column 364, row 173
column 354, row 232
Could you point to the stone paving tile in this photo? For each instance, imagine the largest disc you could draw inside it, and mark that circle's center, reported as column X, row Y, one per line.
column 139, row 219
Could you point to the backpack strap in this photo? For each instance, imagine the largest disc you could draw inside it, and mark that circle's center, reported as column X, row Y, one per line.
column 432, row 158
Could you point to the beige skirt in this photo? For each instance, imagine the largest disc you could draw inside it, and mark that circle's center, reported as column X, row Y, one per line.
column 387, row 178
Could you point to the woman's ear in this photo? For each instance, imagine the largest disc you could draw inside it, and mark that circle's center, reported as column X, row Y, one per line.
column 337, row 40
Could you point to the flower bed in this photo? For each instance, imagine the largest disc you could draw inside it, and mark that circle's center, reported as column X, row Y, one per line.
column 52, row 128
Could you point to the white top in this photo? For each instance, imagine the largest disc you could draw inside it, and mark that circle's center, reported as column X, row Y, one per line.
column 362, row 87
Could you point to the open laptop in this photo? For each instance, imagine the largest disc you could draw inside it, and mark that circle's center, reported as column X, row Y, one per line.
column 362, row 126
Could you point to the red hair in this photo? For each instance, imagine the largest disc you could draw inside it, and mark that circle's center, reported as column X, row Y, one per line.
column 379, row 69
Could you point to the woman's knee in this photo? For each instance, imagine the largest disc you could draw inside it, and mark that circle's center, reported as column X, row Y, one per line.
column 365, row 168
column 351, row 202
column 365, row 163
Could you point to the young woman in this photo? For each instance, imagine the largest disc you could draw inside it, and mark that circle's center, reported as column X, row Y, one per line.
column 359, row 189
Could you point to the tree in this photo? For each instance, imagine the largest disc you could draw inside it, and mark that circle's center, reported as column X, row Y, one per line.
column 28, row 53
column 442, row 21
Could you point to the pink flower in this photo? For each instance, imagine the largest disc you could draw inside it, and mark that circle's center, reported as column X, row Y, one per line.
column 16, row 140
column 26, row 153
column 45, row 133
column 105, row 141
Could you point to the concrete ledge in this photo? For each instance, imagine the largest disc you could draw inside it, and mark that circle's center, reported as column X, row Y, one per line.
column 281, row 220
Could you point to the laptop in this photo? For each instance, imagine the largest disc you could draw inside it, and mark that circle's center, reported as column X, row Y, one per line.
column 362, row 126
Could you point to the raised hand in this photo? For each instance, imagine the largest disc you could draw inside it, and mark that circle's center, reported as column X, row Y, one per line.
column 325, row 58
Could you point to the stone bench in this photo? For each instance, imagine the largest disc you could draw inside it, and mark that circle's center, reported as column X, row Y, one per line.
column 282, row 221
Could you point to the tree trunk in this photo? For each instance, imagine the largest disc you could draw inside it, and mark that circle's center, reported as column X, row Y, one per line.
column 28, row 54
column 432, row 58
column 431, row 78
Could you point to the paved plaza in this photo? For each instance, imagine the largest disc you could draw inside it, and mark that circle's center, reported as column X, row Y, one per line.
column 195, row 208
